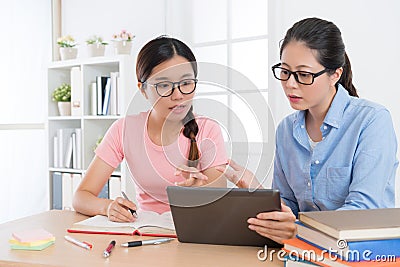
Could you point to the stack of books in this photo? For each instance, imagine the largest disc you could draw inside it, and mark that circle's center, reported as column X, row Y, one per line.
column 32, row 239
column 346, row 238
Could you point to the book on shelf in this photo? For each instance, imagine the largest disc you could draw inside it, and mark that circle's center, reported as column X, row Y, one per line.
column 67, row 148
column 348, row 250
column 148, row 223
column 355, row 225
column 101, row 82
column 120, row 97
column 114, row 93
column 114, row 184
column 106, row 98
column 67, row 191
column 55, row 152
column 76, row 180
column 74, row 151
column 104, row 193
column 57, row 191
column 68, row 153
column 78, row 148
column 64, row 186
column 63, row 138
column 298, row 249
column 93, row 99
column 76, row 92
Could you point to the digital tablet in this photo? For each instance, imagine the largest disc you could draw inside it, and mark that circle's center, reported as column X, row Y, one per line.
column 219, row 216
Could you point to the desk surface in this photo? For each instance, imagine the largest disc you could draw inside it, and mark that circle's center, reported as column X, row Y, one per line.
column 63, row 253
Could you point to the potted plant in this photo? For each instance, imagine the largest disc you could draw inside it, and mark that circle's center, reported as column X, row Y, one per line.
column 123, row 42
column 67, row 47
column 96, row 46
column 62, row 95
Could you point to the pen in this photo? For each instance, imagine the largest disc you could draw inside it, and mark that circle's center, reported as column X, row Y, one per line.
column 146, row 242
column 78, row 243
column 108, row 250
column 131, row 210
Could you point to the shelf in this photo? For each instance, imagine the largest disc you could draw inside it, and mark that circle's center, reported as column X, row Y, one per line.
column 90, row 117
column 67, row 64
column 81, row 130
column 62, row 118
column 52, row 169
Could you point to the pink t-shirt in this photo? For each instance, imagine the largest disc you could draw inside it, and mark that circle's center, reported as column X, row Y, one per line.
column 152, row 166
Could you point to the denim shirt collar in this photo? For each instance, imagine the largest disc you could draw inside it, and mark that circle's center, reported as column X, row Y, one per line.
column 335, row 112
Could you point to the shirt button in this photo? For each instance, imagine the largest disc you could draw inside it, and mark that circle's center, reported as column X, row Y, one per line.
column 316, row 162
column 309, row 184
column 325, row 127
column 302, row 126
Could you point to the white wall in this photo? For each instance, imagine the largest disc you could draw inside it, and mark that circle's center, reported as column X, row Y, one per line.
column 24, row 52
column 370, row 30
column 82, row 19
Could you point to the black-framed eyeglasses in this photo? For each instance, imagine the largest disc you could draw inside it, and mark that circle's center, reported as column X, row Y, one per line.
column 166, row 88
column 302, row 77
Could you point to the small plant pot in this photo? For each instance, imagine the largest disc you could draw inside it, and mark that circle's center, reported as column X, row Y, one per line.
column 68, row 53
column 96, row 50
column 64, row 108
column 123, row 47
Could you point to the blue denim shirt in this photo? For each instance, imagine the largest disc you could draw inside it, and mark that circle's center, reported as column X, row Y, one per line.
column 353, row 167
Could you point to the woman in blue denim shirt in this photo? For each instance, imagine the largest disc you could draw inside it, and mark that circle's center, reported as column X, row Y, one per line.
column 336, row 151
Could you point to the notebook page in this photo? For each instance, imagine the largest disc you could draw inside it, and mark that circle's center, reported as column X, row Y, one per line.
column 102, row 222
column 145, row 218
column 149, row 218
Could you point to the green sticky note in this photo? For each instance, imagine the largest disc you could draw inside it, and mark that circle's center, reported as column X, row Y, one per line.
column 40, row 247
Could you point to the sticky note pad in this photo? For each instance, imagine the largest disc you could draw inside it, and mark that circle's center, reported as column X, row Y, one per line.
column 32, row 235
column 38, row 247
column 13, row 241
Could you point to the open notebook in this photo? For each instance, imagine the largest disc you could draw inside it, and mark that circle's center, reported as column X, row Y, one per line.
column 148, row 223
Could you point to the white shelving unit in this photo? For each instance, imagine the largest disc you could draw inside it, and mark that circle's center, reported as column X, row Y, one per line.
column 92, row 127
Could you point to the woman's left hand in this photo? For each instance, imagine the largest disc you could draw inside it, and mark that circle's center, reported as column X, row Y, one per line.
column 193, row 177
column 275, row 225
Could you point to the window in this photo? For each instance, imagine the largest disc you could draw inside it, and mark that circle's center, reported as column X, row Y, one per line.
column 233, row 34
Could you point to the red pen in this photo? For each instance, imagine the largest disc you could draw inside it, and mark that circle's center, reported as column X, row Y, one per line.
column 108, row 250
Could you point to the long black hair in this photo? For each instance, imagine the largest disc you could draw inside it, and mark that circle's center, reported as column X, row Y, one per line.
column 325, row 38
column 156, row 52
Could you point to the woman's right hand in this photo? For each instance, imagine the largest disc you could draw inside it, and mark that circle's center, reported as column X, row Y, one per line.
column 240, row 176
column 276, row 225
column 118, row 210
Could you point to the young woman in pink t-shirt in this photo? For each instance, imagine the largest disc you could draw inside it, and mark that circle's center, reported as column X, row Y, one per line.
column 167, row 145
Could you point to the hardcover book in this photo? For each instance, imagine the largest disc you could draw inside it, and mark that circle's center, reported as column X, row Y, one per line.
column 355, row 225
column 297, row 248
column 348, row 250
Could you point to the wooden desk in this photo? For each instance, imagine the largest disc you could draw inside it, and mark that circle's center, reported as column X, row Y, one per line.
column 63, row 253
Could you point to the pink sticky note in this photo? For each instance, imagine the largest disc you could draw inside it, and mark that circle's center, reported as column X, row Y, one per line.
column 31, row 235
